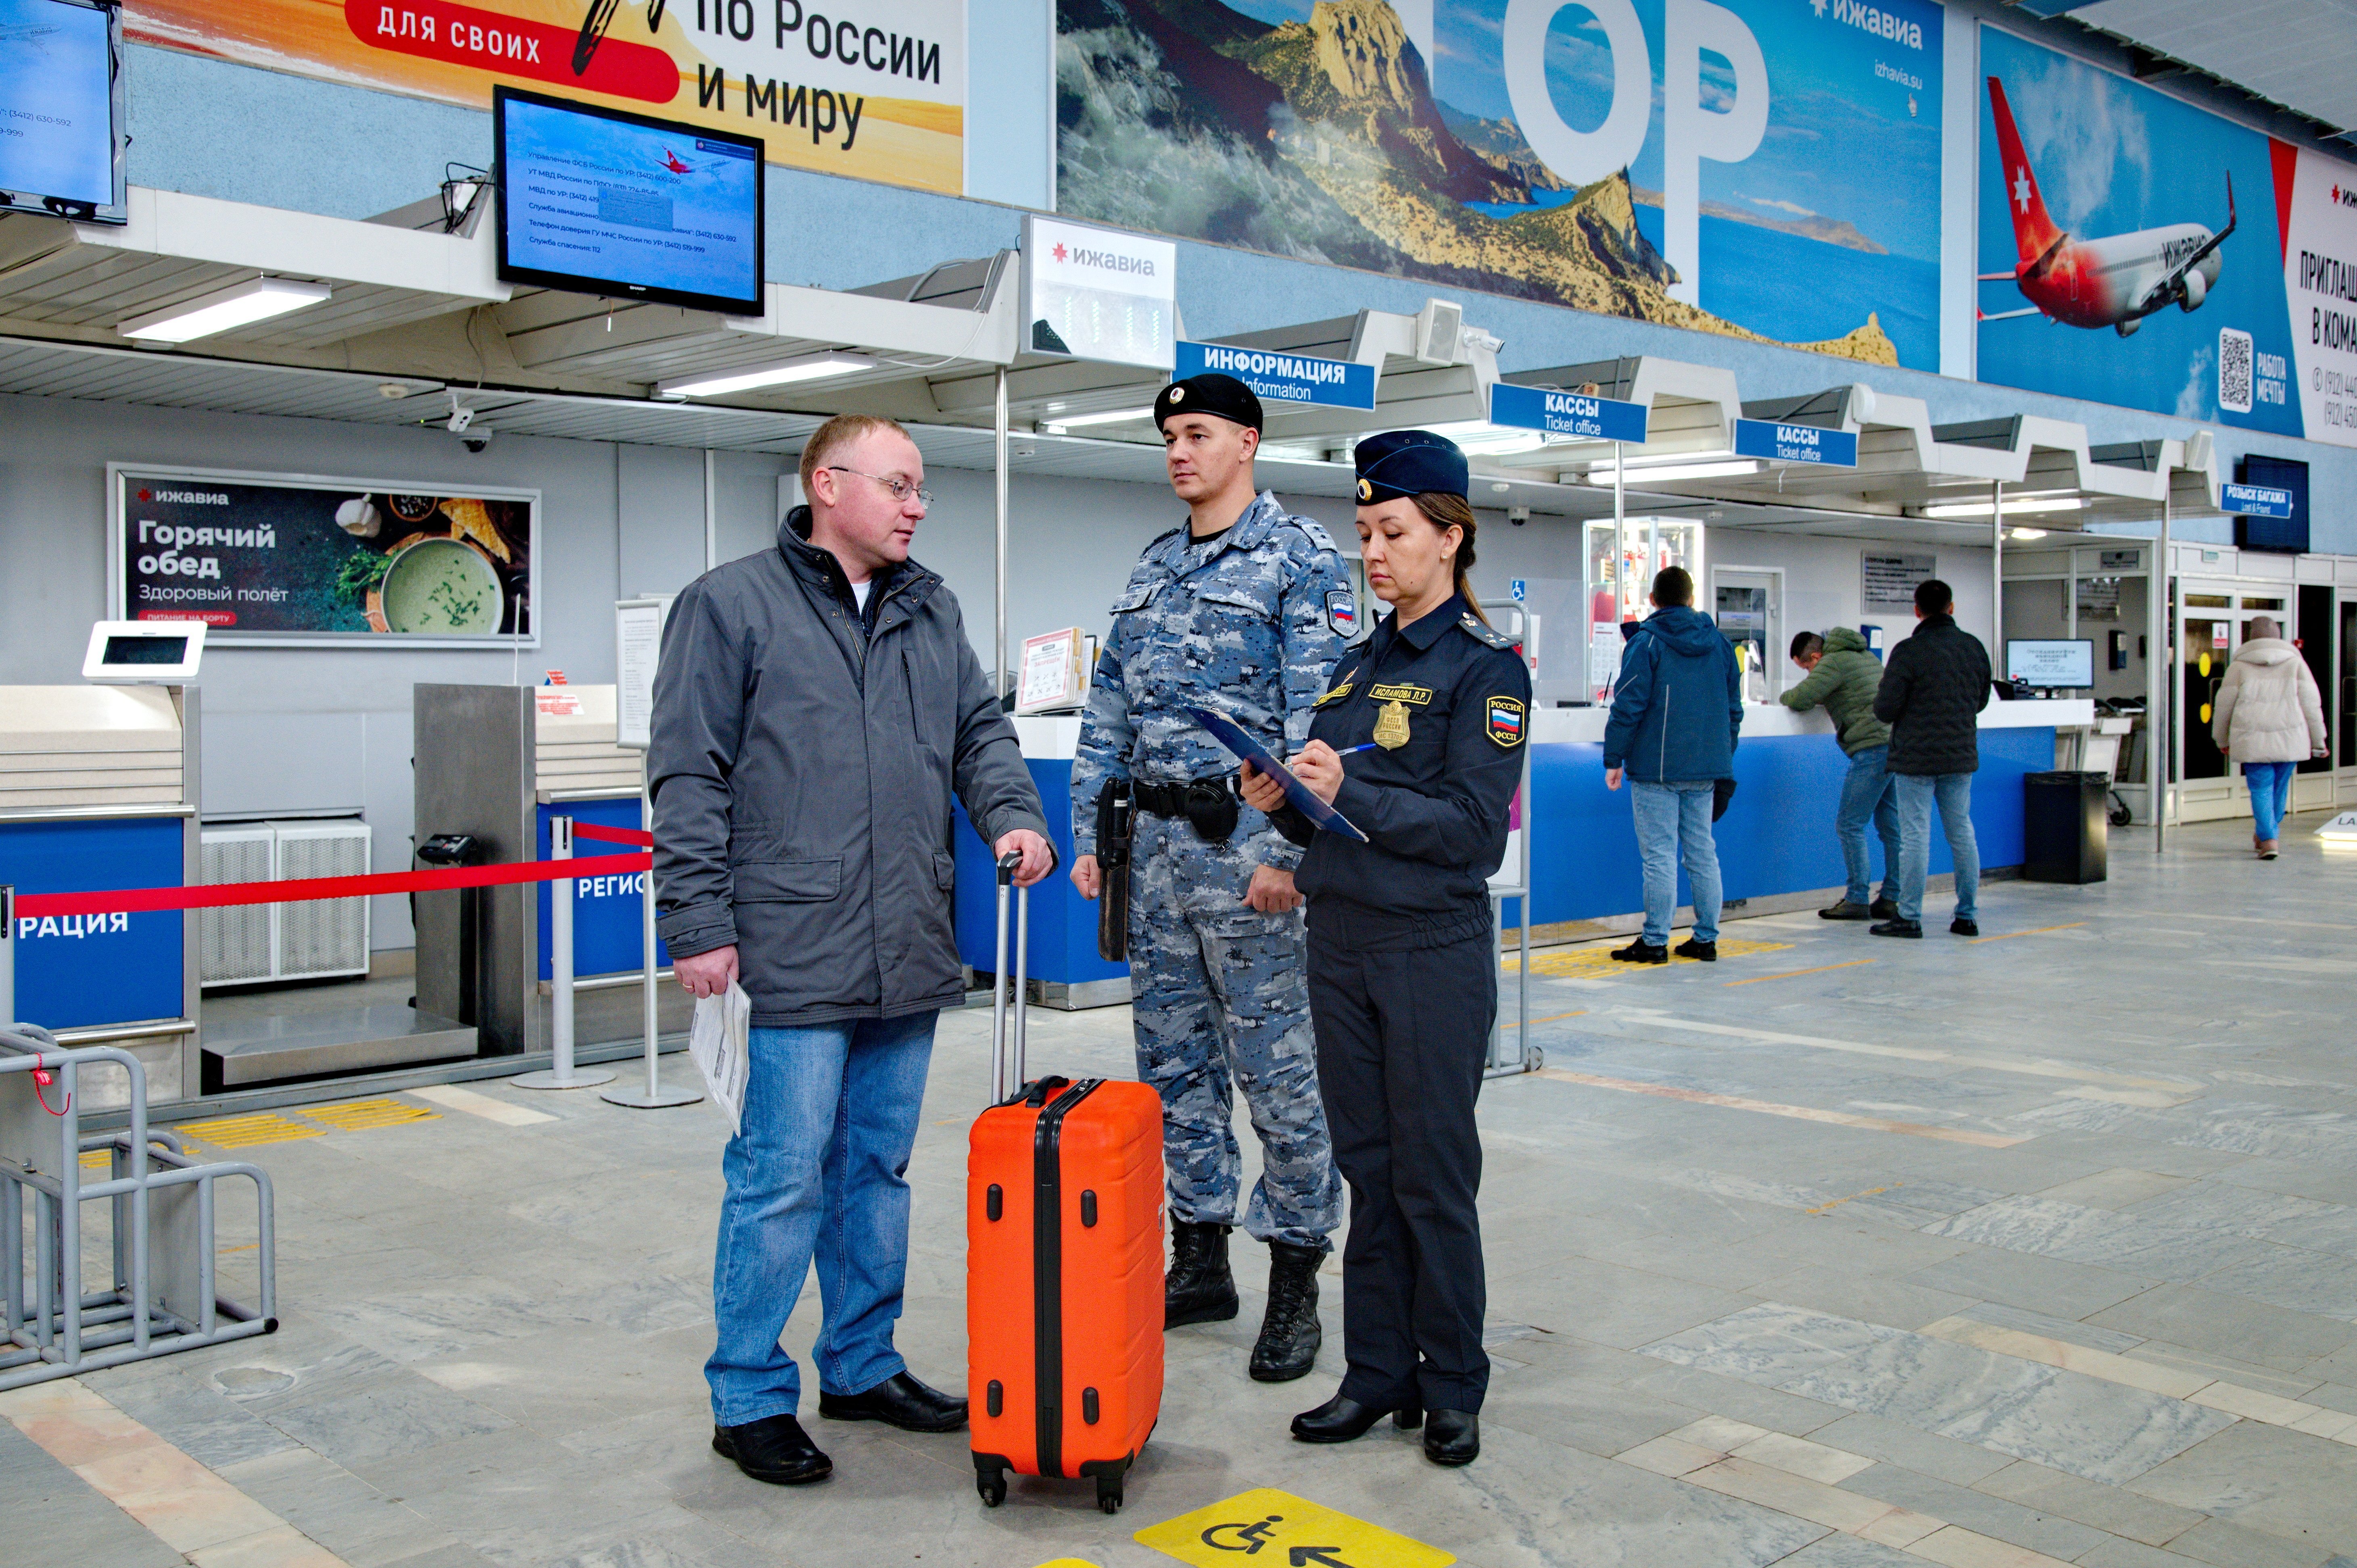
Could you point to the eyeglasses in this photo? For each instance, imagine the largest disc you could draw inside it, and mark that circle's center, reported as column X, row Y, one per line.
column 901, row 488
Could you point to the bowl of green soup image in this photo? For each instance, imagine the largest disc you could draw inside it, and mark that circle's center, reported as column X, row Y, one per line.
column 441, row 587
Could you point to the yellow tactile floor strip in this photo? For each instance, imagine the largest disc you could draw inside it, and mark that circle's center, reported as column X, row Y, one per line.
column 361, row 1115
column 1771, row 1108
column 249, row 1131
column 1596, row 961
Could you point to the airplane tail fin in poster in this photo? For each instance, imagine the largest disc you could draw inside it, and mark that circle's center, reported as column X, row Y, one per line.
column 2035, row 237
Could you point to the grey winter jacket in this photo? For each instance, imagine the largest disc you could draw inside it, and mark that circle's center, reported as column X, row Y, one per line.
column 2268, row 708
column 802, row 767
column 1845, row 682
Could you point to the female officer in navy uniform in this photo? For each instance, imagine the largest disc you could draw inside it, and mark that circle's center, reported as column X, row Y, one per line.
column 1418, row 743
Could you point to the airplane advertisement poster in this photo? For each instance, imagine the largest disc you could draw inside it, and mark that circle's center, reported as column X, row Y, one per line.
column 2317, row 198
column 876, row 90
column 1761, row 169
column 2113, row 263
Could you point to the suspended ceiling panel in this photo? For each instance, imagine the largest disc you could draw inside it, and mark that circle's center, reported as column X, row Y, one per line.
column 2301, row 54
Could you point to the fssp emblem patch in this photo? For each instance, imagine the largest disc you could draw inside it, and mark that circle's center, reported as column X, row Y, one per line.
column 1342, row 612
column 1506, row 721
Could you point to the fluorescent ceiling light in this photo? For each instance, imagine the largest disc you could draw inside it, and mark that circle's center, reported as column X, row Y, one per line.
column 2025, row 534
column 2014, row 507
column 1064, row 422
column 809, row 368
column 241, row 304
column 1484, row 439
column 1667, row 473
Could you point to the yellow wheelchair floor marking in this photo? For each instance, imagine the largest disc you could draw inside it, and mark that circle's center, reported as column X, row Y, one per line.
column 1596, row 961
column 1270, row 1529
column 359, row 1115
column 245, row 1132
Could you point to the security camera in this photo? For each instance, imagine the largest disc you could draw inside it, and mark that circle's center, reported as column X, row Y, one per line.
column 461, row 417
column 478, row 438
column 1518, row 515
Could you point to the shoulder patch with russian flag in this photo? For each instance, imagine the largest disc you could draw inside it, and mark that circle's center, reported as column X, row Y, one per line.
column 1342, row 612
column 1506, row 719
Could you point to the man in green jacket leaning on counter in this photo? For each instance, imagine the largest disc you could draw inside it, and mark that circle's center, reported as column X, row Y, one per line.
column 1842, row 678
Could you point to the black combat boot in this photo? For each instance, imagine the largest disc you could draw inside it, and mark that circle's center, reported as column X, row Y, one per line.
column 1199, row 1288
column 1290, row 1332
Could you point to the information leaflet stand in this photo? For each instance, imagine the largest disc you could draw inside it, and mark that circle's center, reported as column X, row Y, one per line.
column 637, row 648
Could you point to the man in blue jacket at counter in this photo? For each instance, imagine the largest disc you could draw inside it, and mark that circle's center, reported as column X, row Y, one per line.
column 1676, row 713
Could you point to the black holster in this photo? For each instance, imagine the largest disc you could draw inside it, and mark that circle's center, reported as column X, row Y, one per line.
column 1116, row 822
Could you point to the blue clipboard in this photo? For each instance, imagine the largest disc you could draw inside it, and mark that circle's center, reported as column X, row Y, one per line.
column 1228, row 732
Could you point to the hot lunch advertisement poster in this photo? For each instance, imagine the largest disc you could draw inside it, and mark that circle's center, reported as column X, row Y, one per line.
column 1761, row 169
column 871, row 88
column 2137, row 249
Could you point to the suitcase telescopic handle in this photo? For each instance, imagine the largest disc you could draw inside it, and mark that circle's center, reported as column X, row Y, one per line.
column 1005, row 1053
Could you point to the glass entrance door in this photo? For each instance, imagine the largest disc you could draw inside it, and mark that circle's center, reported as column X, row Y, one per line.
column 2204, row 646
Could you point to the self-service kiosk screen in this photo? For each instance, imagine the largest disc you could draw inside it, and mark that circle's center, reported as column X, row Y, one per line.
column 2051, row 662
column 145, row 650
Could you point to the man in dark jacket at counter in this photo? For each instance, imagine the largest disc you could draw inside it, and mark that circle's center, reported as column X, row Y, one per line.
column 1843, row 677
column 1932, row 690
column 1677, row 710
column 815, row 707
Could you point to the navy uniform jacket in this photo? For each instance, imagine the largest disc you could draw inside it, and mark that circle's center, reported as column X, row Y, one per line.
column 1435, row 806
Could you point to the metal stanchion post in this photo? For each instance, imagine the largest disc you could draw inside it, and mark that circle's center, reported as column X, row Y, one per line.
column 8, row 963
column 561, row 1073
column 654, row 1096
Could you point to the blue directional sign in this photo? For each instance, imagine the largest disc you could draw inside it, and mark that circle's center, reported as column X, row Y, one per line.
column 1780, row 443
column 1282, row 378
column 1567, row 414
column 2255, row 500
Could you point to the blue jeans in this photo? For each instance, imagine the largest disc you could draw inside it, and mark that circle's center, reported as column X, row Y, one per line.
column 1671, row 819
column 2270, row 785
column 819, row 1172
column 1867, row 793
column 1953, row 792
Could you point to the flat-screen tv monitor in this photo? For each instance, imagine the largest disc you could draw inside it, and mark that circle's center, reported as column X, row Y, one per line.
column 61, row 109
column 2052, row 661
column 618, row 205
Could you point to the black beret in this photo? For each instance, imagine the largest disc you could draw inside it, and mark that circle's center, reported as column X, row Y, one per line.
column 1402, row 463
column 1211, row 393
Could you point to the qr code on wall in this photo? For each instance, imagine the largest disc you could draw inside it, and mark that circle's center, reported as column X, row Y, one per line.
column 2234, row 370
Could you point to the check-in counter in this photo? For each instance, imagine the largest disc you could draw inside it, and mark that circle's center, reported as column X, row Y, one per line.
column 1777, row 838
column 99, row 791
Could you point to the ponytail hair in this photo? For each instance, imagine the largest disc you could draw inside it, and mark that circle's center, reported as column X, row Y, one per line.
column 1445, row 509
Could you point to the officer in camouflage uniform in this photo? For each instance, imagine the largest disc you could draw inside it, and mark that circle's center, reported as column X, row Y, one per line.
column 1243, row 611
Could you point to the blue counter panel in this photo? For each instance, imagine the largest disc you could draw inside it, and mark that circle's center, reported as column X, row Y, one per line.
column 85, row 970
column 607, row 919
column 1777, row 836
column 1063, row 924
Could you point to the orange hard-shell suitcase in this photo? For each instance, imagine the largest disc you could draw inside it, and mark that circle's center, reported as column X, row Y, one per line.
column 1063, row 1266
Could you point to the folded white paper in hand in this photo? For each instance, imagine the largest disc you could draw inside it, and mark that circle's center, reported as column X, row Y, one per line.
column 717, row 1040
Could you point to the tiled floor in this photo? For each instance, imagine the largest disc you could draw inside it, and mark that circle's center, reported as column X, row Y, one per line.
column 1840, row 1253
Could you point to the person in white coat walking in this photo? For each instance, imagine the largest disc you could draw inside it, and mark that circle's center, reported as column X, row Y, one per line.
column 2270, row 718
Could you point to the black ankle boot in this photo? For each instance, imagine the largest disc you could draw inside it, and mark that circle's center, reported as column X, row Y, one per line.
column 1199, row 1288
column 1289, row 1331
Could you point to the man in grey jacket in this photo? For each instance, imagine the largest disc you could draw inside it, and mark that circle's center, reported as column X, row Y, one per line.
column 816, row 707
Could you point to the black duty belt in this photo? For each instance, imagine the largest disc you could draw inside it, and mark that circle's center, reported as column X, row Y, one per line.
column 1210, row 804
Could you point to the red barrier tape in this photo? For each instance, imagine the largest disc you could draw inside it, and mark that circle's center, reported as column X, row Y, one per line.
column 141, row 900
column 613, row 835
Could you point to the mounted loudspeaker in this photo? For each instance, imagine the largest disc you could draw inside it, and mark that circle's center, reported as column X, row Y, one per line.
column 1440, row 330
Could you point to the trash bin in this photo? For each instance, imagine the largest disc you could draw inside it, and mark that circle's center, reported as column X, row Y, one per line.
column 2065, row 833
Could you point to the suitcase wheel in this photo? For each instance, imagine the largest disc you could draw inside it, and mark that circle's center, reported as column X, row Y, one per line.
column 992, row 1485
column 1109, row 1493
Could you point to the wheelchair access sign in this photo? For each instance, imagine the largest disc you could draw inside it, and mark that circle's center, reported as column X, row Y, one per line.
column 1269, row 1529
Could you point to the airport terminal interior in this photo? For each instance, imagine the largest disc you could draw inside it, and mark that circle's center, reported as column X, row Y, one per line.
column 374, row 380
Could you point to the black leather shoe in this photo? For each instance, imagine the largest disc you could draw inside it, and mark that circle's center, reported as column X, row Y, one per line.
column 1339, row 1419
column 1894, row 927
column 1452, row 1437
column 773, row 1449
column 1199, row 1288
column 1884, row 908
column 1960, row 927
column 1695, row 948
column 1845, row 910
column 1289, row 1330
column 899, row 1400
column 1641, row 952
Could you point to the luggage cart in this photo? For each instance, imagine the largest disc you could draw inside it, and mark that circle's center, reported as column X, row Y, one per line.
column 165, row 1296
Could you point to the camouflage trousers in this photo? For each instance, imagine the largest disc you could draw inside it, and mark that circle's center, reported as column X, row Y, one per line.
column 1222, row 1001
